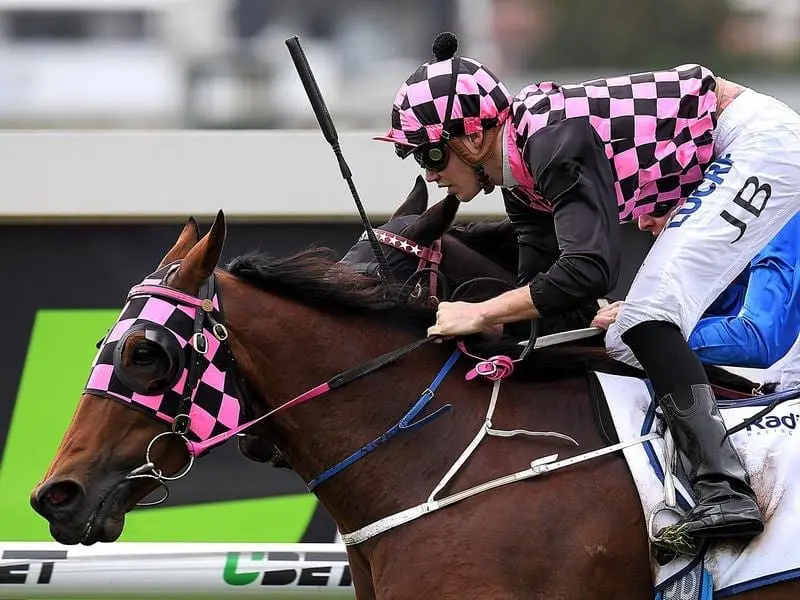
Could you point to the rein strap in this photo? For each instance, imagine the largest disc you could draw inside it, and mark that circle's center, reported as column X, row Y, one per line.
column 404, row 424
column 346, row 377
column 333, row 383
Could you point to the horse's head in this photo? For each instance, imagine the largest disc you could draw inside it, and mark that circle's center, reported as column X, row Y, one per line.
column 411, row 229
column 417, row 237
column 161, row 390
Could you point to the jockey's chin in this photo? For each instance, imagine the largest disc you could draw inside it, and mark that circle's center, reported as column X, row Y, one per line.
column 459, row 192
column 465, row 193
column 462, row 197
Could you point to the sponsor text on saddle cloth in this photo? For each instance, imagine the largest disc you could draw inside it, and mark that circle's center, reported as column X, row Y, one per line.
column 770, row 450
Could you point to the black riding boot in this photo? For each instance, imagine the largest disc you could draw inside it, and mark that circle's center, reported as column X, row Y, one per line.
column 726, row 506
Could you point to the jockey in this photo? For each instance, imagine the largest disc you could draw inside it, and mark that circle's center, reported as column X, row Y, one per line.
column 580, row 158
column 753, row 323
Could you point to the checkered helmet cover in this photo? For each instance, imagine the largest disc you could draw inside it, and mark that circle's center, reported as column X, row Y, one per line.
column 481, row 102
column 214, row 405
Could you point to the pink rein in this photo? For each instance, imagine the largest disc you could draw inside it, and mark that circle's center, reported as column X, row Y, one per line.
column 197, row 448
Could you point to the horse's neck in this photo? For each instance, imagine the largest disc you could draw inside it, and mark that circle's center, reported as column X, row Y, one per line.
column 291, row 348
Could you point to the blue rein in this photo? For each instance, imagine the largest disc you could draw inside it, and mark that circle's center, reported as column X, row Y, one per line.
column 404, row 424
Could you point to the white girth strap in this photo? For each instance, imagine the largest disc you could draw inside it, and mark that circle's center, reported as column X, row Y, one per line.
column 538, row 467
column 486, row 429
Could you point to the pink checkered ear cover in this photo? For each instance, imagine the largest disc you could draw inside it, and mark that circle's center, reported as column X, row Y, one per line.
column 481, row 102
column 214, row 407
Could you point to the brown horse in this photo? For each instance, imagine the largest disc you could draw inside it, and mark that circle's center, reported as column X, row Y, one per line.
column 294, row 323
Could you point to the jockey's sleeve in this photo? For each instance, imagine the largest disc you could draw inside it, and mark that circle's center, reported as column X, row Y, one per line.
column 535, row 235
column 766, row 326
column 574, row 176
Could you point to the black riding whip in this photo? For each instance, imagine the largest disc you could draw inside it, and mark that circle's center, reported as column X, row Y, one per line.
column 329, row 131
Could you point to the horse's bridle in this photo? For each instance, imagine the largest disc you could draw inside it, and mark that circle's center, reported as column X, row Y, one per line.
column 430, row 259
column 209, row 391
column 208, row 331
column 205, row 311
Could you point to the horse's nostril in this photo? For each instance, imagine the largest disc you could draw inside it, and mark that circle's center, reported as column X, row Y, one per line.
column 58, row 498
column 61, row 493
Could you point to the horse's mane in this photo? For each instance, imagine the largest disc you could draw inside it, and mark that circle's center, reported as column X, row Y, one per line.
column 314, row 277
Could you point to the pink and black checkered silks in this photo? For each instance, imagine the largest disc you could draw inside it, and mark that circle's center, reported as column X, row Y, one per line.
column 481, row 102
column 214, row 408
column 656, row 128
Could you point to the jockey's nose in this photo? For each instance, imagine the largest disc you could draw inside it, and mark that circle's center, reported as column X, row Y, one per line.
column 431, row 176
column 646, row 223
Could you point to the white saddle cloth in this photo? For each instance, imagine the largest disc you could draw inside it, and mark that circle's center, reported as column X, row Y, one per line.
column 770, row 451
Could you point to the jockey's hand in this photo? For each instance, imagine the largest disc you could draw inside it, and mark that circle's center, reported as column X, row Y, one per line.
column 607, row 315
column 459, row 318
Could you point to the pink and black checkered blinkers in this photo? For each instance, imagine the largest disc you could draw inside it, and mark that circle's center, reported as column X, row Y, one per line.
column 200, row 382
column 456, row 95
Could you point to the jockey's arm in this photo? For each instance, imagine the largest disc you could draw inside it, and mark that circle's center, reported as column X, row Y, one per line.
column 510, row 307
column 766, row 326
column 573, row 174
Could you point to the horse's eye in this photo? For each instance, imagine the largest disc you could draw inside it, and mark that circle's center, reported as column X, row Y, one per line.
column 144, row 355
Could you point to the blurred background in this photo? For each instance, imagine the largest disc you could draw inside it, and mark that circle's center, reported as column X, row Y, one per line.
column 121, row 118
column 223, row 63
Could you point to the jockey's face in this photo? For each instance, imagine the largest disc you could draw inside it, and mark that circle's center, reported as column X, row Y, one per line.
column 655, row 225
column 458, row 177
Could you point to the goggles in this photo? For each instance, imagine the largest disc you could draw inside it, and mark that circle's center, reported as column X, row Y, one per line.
column 662, row 209
column 432, row 157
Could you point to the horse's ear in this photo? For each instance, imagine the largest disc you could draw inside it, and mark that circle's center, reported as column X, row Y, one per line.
column 416, row 202
column 186, row 241
column 202, row 259
column 432, row 224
